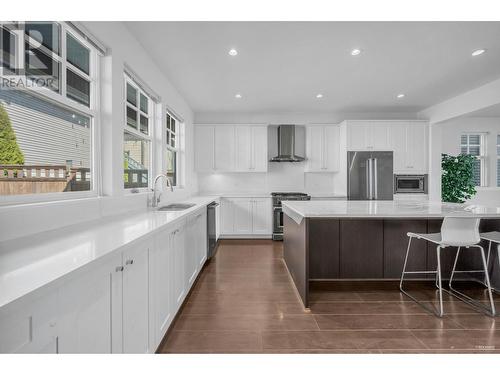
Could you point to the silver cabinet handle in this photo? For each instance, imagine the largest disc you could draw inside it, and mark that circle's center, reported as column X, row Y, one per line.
column 119, row 269
column 130, row 261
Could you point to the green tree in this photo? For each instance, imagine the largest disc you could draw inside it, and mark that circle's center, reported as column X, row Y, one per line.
column 457, row 180
column 10, row 153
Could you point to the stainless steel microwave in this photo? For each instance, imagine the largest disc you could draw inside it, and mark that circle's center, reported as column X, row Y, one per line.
column 414, row 183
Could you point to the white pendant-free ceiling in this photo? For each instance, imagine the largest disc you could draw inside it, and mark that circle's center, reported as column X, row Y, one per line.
column 282, row 66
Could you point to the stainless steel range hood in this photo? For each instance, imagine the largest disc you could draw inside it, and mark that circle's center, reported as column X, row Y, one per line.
column 286, row 145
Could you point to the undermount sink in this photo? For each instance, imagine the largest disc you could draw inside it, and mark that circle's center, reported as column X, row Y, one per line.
column 176, row 207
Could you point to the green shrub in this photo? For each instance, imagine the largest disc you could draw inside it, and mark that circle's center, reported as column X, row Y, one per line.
column 457, row 180
column 10, row 153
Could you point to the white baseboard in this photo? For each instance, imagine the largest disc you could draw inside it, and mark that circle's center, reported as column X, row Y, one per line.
column 245, row 236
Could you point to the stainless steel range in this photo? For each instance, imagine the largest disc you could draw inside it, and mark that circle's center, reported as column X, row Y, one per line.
column 278, row 212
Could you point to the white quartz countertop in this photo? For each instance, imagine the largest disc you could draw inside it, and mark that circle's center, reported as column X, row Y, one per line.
column 31, row 262
column 298, row 210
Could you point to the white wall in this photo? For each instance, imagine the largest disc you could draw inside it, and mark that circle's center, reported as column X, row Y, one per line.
column 123, row 48
column 450, row 144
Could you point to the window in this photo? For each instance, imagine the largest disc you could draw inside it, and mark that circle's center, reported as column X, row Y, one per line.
column 473, row 144
column 49, row 130
column 137, row 136
column 172, row 134
column 498, row 160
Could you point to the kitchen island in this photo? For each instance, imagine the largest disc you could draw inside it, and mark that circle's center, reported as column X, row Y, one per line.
column 328, row 241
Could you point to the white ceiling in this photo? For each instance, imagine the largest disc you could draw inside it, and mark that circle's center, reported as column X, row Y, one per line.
column 281, row 66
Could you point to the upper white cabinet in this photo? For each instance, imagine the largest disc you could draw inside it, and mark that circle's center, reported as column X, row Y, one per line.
column 367, row 135
column 231, row 148
column 409, row 140
column 246, row 216
column 322, row 148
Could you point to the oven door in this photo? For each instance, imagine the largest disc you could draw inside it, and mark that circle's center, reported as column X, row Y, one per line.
column 410, row 184
column 277, row 220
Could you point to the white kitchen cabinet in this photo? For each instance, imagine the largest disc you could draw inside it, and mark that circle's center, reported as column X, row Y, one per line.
column 322, row 148
column 243, row 211
column 179, row 277
column 201, row 238
column 259, row 148
column 135, row 299
column 161, row 292
column 30, row 326
column 225, row 148
column 367, row 135
column 261, row 216
column 409, row 140
column 246, row 216
column 195, row 247
column 231, row 148
column 85, row 310
column 204, row 143
column 226, row 216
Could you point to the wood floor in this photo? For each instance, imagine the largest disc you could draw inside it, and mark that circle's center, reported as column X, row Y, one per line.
column 244, row 302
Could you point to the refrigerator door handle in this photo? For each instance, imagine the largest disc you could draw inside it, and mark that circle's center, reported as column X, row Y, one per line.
column 375, row 182
column 368, row 179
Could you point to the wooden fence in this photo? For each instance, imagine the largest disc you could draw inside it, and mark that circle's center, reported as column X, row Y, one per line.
column 24, row 179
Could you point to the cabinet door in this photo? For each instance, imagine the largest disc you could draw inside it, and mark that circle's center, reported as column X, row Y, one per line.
column 417, row 147
column 30, row 325
column 242, row 215
column 331, row 149
column 86, row 307
column 204, row 148
column 397, row 143
column 161, row 286
column 178, row 245
column 202, row 241
column 378, row 136
column 227, row 216
column 315, row 148
column 225, row 148
column 261, row 216
column 357, row 135
column 243, row 135
column 135, row 299
column 259, row 155
column 190, row 252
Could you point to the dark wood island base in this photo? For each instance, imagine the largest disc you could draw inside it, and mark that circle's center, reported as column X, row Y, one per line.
column 321, row 251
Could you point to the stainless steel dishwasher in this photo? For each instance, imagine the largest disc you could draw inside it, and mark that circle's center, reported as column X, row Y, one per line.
column 212, row 229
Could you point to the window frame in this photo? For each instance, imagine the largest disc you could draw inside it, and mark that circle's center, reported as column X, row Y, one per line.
column 482, row 157
column 136, row 132
column 60, row 98
column 177, row 148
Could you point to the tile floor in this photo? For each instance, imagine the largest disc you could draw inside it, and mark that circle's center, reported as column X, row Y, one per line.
column 244, row 302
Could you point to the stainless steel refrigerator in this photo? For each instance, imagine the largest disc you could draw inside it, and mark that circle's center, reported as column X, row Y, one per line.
column 370, row 175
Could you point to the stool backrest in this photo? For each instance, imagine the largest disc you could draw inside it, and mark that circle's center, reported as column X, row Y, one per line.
column 460, row 230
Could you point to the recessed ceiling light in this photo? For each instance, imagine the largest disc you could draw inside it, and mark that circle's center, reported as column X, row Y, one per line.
column 355, row 52
column 400, row 96
column 232, row 52
column 319, row 96
column 238, row 96
column 478, row 52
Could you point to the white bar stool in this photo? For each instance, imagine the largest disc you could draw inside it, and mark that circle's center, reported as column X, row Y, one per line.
column 455, row 232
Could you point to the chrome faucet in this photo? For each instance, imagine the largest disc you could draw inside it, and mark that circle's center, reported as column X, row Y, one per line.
column 157, row 196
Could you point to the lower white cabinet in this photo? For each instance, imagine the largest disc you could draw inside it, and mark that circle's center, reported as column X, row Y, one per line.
column 85, row 305
column 135, row 320
column 243, row 216
column 123, row 303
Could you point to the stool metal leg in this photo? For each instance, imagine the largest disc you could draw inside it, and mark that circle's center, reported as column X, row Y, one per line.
column 438, row 253
column 465, row 298
column 425, row 307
